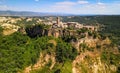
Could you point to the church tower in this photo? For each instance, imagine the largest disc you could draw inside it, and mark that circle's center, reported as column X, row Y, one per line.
column 58, row 20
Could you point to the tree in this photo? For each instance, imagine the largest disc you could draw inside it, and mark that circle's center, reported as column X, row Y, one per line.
column 65, row 51
column 1, row 30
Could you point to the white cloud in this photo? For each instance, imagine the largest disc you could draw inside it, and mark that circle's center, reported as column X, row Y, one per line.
column 83, row 2
column 106, row 8
column 63, row 7
column 99, row 3
column 4, row 7
column 67, row 3
column 36, row 0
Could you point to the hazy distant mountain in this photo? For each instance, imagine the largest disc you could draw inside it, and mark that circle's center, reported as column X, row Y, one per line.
column 27, row 13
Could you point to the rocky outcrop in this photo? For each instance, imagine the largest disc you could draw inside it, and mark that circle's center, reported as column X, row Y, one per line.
column 92, row 65
column 42, row 61
column 55, row 32
column 90, row 61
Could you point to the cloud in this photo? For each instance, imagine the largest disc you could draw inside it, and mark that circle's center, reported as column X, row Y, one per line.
column 83, row 2
column 105, row 8
column 67, row 3
column 65, row 6
column 4, row 7
column 99, row 3
column 36, row 0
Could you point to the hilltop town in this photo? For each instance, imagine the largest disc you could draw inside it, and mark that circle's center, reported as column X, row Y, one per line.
column 13, row 24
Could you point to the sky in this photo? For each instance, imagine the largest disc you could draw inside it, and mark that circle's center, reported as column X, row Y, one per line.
column 63, row 6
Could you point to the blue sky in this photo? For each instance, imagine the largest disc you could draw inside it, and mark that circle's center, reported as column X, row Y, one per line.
column 63, row 6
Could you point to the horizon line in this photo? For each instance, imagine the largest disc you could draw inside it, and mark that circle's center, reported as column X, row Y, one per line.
column 57, row 13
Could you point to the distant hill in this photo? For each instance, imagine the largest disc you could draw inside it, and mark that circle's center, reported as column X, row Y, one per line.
column 28, row 13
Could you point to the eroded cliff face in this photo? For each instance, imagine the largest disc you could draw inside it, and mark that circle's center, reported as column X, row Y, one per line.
column 42, row 61
column 84, row 63
column 89, row 60
column 39, row 30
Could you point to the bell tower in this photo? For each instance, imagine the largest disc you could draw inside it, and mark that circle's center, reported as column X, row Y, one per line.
column 58, row 20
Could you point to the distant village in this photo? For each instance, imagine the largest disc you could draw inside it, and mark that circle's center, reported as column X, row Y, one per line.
column 12, row 24
column 75, row 25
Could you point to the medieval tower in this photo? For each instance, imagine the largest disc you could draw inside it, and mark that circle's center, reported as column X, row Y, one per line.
column 58, row 20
